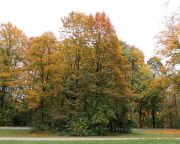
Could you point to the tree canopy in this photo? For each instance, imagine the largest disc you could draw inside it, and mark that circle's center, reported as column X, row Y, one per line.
column 87, row 81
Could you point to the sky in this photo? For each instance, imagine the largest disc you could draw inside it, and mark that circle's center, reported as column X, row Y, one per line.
column 136, row 21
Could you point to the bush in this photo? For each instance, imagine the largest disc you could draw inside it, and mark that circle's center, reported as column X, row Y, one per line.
column 101, row 119
column 6, row 117
column 129, row 124
column 41, row 127
column 78, row 127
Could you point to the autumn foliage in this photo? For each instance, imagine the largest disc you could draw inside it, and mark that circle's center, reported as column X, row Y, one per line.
column 87, row 82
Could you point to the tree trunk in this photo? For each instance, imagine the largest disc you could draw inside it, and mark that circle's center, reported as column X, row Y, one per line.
column 42, row 110
column 176, row 108
column 2, row 95
column 169, row 111
column 43, row 91
column 85, row 103
column 153, row 113
column 140, row 117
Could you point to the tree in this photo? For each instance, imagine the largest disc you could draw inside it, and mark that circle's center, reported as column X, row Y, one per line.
column 97, row 74
column 169, row 48
column 156, row 66
column 156, row 97
column 140, row 79
column 12, row 44
column 42, row 72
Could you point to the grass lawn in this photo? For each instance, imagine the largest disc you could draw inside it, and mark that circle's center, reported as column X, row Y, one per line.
column 139, row 133
column 22, row 133
column 150, row 137
column 95, row 142
column 156, row 133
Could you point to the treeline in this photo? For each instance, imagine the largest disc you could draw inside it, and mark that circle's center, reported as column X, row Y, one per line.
column 87, row 81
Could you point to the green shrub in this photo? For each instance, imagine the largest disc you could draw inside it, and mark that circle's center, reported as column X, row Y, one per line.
column 41, row 127
column 78, row 127
column 6, row 117
column 100, row 119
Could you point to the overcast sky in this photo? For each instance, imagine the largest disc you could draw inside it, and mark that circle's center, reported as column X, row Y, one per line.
column 136, row 21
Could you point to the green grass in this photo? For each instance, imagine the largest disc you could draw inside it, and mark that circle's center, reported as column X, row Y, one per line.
column 22, row 133
column 95, row 142
column 154, row 133
column 139, row 133
column 166, row 137
column 13, row 132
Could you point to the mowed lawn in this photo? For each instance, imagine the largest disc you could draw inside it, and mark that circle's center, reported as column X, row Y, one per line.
column 149, row 136
column 95, row 142
column 136, row 133
column 22, row 133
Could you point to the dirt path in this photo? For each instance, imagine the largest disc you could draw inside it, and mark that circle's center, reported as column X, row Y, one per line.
column 15, row 128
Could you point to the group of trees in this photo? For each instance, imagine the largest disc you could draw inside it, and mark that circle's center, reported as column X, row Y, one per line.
column 88, row 81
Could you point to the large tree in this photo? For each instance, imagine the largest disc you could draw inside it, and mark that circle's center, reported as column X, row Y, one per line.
column 169, row 48
column 97, row 78
column 140, row 78
column 41, row 72
column 12, row 45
